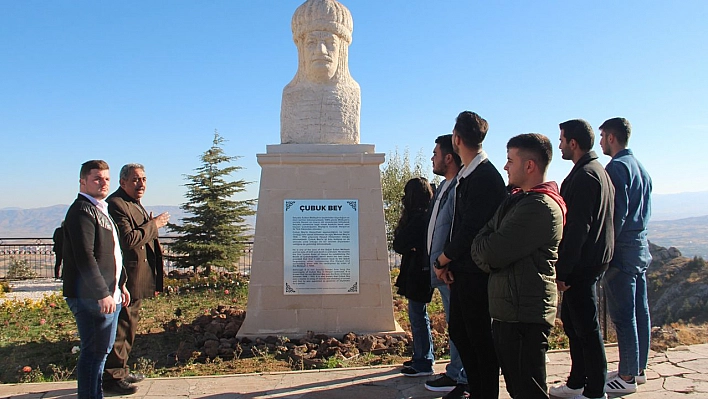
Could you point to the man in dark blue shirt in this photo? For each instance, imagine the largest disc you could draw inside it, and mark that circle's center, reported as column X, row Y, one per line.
column 625, row 280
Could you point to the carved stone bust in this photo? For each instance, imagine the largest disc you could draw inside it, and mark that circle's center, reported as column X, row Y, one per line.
column 321, row 105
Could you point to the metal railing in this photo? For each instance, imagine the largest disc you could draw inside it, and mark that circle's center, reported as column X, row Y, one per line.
column 37, row 256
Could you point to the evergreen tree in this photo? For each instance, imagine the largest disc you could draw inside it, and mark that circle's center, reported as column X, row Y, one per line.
column 395, row 173
column 215, row 233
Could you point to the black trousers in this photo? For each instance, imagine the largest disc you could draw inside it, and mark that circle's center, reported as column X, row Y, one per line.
column 116, row 367
column 470, row 329
column 587, row 350
column 57, row 265
column 521, row 349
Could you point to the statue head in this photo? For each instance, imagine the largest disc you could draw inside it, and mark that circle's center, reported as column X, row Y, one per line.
column 322, row 31
column 321, row 105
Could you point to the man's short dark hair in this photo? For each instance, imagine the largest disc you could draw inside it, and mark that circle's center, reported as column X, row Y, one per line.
column 471, row 128
column 533, row 146
column 580, row 131
column 618, row 127
column 445, row 142
column 88, row 166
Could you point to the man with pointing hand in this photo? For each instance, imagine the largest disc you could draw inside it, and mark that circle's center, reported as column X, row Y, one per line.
column 142, row 258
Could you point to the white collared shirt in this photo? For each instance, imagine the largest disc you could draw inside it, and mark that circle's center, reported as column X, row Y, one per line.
column 102, row 205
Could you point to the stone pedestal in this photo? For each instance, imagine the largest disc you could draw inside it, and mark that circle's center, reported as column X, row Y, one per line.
column 319, row 171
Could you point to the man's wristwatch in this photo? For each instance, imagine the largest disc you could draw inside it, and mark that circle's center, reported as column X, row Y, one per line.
column 437, row 265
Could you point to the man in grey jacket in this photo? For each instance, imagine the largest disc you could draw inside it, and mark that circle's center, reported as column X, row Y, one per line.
column 446, row 163
column 519, row 248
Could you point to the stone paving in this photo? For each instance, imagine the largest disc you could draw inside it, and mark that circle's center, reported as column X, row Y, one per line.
column 33, row 289
column 678, row 373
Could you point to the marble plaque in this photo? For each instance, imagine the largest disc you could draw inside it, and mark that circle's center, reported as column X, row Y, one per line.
column 321, row 246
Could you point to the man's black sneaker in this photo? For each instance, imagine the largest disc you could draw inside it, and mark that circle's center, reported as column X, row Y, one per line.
column 411, row 372
column 442, row 383
column 461, row 391
column 408, row 363
column 121, row 387
column 134, row 377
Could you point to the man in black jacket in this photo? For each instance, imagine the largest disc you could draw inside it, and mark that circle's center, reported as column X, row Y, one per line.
column 480, row 190
column 584, row 254
column 94, row 278
column 142, row 258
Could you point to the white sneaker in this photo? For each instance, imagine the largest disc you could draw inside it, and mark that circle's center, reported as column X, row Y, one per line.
column 562, row 391
column 581, row 396
column 618, row 385
column 640, row 379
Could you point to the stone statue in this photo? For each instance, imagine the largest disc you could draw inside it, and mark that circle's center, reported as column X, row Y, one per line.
column 321, row 104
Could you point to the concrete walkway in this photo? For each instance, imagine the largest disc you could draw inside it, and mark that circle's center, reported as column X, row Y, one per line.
column 679, row 373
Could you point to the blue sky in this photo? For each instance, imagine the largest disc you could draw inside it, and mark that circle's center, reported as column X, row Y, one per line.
column 150, row 81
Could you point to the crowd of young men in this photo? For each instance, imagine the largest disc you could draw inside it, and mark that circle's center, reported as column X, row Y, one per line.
column 499, row 253
column 502, row 253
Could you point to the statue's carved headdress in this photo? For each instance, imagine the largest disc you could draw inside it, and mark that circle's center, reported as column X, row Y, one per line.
column 322, row 15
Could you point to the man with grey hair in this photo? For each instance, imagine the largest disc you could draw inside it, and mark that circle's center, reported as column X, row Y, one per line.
column 142, row 258
column 321, row 105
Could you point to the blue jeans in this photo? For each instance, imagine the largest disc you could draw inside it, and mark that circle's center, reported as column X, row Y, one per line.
column 454, row 369
column 97, row 332
column 629, row 309
column 422, row 339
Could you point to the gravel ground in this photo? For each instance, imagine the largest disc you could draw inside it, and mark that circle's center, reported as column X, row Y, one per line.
column 32, row 289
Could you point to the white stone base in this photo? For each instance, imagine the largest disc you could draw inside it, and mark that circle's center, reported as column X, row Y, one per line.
column 348, row 174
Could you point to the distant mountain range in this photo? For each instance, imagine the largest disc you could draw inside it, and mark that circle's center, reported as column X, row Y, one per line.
column 41, row 222
column 689, row 235
column 678, row 220
column 679, row 206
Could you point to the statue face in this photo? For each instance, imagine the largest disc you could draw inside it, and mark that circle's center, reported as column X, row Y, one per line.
column 321, row 55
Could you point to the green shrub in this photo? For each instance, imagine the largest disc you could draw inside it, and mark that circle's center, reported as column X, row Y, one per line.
column 4, row 288
column 20, row 269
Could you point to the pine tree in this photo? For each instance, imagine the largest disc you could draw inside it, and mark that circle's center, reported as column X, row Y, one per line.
column 214, row 235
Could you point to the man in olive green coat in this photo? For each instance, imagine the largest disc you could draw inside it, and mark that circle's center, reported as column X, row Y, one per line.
column 519, row 248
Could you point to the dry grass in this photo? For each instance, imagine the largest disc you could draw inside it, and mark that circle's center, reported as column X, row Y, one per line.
column 677, row 334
